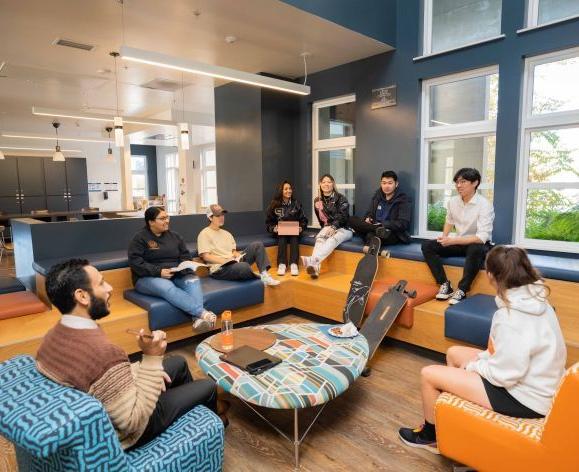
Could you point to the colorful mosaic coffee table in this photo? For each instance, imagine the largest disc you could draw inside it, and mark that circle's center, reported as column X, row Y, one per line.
column 316, row 368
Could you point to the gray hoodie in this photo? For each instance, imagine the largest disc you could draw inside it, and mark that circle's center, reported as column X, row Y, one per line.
column 526, row 353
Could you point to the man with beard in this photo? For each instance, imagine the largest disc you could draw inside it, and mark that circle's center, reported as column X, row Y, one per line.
column 141, row 399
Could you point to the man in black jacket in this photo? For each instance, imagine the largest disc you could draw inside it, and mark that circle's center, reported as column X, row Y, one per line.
column 388, row 215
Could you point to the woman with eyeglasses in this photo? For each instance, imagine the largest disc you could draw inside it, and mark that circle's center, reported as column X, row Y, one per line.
column 152, row 253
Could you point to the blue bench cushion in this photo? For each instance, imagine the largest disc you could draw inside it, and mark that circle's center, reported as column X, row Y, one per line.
column 470, row 320
column 218, row 295
column 550, row 267
column 10, row 285
column 118, row 259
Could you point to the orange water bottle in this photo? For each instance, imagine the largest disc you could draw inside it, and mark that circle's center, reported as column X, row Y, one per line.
column 226, row 331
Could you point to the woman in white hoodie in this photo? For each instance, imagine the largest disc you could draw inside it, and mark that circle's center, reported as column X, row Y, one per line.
column 518, row 374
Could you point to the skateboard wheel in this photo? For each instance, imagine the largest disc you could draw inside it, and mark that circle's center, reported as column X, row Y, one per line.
column 412, row 294
column 385, row 253
column 366, row 372
column 365, row 249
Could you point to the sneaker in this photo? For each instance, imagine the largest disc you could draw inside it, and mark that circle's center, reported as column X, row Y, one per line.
column 457, row 296
column 444, row 292
column 312, row 268
column 206, row 321
column 199, row 324
column 415, row 438
column 281, row 269
column 383, row 233
column 294, row 269
column 268, row 280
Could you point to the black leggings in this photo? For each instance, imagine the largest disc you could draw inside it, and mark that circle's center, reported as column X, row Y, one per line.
column 294, row 243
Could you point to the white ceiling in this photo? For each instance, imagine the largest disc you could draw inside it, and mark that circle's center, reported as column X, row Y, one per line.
column 271, row 35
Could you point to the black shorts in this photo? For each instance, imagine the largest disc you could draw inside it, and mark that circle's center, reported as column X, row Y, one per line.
column 505, row 404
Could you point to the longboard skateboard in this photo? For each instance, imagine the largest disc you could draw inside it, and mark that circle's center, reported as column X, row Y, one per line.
column 384, row 314
column 362, row 283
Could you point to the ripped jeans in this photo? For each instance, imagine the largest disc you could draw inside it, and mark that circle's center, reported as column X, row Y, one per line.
column 325, row 245
column 183, row 292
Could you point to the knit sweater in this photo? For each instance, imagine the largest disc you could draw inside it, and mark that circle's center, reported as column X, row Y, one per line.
column 86, row 360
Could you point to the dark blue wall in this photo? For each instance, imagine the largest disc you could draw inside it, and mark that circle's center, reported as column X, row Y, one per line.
column 374, row 18
column 151, row 153
column 388, row 138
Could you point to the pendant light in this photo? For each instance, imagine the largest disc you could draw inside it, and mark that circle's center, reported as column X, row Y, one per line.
column 57, row 156
column 183, row 126
column 2, row 155
column 109, row 156
column 118, row 120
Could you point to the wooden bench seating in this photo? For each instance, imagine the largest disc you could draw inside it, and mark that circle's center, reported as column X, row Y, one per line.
column 323, row 297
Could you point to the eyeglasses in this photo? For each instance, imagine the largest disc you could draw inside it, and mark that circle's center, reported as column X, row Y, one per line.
column 164, row 218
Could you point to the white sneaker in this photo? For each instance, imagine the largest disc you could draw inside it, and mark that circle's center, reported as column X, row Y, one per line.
column 268, row 280
column 294, row 269
column 281, row 269
column 206, row 320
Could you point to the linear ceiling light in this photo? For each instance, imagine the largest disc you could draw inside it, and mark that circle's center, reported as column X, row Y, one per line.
column 17, row 148
column 77, row 115
column 195, row 67
column 33, row 136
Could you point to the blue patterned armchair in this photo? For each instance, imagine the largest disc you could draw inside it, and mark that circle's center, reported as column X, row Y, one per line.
column 56, row 428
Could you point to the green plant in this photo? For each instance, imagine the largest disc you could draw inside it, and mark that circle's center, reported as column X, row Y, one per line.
column 436, row 216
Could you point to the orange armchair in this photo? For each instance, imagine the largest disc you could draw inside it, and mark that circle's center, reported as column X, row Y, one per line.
column 488, row 441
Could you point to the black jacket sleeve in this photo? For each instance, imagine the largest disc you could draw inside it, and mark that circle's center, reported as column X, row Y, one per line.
column 270, row 218
column 342, row 212
column 371, row 212
column 302, row 218
column 400, row 222
column 137, row 262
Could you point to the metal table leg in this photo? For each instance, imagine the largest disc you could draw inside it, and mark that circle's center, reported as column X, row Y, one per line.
column 297, row 440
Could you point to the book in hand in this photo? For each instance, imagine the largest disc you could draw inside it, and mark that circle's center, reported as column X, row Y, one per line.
column 250, row 359
column 194, row 266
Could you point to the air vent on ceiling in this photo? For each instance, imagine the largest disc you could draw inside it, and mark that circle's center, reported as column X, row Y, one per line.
column 166, row 85
column 73, row 44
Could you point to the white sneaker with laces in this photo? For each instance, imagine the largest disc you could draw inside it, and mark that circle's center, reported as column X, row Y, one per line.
column 268, row 280
column 281, row 269
column 457, row 297
column 294, row 269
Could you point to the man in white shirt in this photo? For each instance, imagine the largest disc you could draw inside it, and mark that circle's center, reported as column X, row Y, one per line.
column 471, row 215
column 217, row 248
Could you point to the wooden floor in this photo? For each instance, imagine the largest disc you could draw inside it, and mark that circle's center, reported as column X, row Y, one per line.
column 356, row 432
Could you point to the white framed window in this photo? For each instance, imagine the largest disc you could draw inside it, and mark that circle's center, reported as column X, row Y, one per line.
column 458, row 129
column 545, row 12
column 548, row 205
column 334, row 145
column 172, row 181
column 451, row 24
column 139, row 176
column 208, row 177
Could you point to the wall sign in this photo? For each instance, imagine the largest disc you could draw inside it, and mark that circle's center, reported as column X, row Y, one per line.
column 384, row 97
column 94, row 187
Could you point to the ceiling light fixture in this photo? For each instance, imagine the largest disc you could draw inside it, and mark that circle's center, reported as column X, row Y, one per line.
column 109, row 157
column 58, row 156
column 118, row 119
column 77, row 115
column 195, row 67
column 33, row 136
column 19, row 148
column 183, row 126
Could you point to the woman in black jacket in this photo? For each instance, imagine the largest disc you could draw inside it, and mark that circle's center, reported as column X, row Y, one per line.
column 332, row 210
column 285, row 208
column 153, row 252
